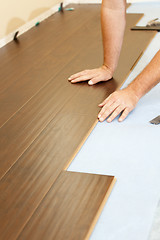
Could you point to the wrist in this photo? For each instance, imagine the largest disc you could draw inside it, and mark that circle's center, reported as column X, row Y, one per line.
column 108, row 70
column 134, row 91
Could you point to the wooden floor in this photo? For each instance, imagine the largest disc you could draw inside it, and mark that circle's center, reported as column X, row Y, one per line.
column 45, row 119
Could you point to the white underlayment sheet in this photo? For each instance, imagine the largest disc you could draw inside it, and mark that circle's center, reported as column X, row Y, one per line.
column 130, row 151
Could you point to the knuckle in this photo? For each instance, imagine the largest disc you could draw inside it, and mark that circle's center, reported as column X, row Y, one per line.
column 80, row 74
column 118, row 101
column 115, row 97
column 112, row 99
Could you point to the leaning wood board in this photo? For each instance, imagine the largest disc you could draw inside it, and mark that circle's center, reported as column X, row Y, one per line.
column 70, row 209
column 31, row 156
column 146, row 28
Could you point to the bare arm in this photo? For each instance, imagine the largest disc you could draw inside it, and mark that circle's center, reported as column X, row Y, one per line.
column 148, row 78
column 113, row 26
column 126, row 99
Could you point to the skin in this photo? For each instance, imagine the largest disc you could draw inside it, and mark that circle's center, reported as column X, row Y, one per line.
column 112, row 15
column 121, row 101
column 124, row 101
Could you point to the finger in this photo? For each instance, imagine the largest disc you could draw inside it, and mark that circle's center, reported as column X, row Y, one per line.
column 104, row 102
column 106, row 111
column 115, row 113
column 82, row 78
column 124, row 114
column 76, row 75
column 107, row 104
column 94, row 80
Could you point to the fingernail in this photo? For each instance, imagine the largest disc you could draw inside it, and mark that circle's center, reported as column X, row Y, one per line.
column 69, row 78
column 90, row 82
column 101, row 119
column 99, row 116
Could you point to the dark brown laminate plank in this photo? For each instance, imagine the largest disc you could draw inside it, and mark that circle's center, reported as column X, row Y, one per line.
column 22, row 129
column 70, row 208
column 36, row 170
column 19, row 92
column 50, row 35
column 27, row 120
column 59, row 22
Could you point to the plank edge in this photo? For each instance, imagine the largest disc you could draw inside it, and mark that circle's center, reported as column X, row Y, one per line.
column 100, row 209
column 80, row 145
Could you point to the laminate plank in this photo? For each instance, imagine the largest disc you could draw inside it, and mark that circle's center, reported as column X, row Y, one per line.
column 21, row 130
column 58, row 22
column 70, row 208
column 20, row 91
column 37, row 169
column 33, row 174
column 50, row 35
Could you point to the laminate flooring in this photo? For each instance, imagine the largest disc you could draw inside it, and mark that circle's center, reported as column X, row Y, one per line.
column 83, row 196
column 45, row 119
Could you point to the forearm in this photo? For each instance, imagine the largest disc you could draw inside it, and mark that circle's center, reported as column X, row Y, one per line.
column 113, row 26
column 148, row 78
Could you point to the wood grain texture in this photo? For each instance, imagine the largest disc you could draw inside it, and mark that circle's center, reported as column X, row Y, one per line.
column 21, row 130
column 36, row 114
column 24, row 75
column 39, row 166
column 69, row 208
column 46, row 122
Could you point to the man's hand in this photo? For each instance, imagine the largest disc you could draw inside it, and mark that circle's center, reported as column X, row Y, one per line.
column 93, row 76
column 121, row 101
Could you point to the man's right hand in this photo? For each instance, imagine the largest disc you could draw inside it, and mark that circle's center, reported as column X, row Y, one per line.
column 121, row 101
column 93, row 76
